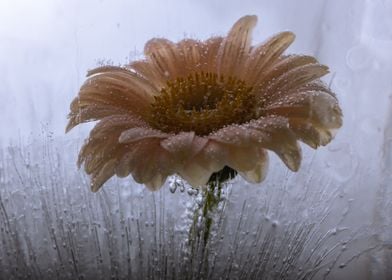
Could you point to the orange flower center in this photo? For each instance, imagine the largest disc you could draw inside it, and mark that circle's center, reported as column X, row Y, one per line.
column 203, row 103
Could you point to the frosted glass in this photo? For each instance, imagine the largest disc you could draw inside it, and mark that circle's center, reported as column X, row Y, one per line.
column 330, row 220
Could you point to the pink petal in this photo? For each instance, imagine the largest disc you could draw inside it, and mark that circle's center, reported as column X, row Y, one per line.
column 232, row 134
column 292, row 80
column 184, row 146
column 96, row 151
column 265, row 55
column 104, row 174
column 110, row 88
column 312, row 134
column 190, row 51
column 148, row 163
column 209, row 52
column 165, row 57
column 236, row 46
column 92, row 113
column 314, row 115
column 116, row 124
column 271, row 133
column 242, row 158
column 277, row 68
column 147, row 70
column 121, row 76
column 198, row 170
column 259, row 171
column 317, row 107
column 156, row 182
column 140, row 133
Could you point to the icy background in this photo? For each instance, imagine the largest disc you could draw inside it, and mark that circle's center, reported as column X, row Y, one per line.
column 332, row 219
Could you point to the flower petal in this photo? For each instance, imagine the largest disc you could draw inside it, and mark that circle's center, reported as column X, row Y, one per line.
column 97, row 159
column 265, row 55
column 103, row 174
column 259, row 172
column 165, row 57
column 148, row 162
column 115, row 124
column 317, row 107
column 135, row 83
column 190, row 52
column 146, row 69
column 198, row 171
column 215, row 156
column 126, row 162
column 242, row 158
column 178, row 142
column 209, row 52
column 108, row 88
column 292, row 80
column 196, row 174
column 233, row 134
column 103, row 155
column 156, row 182
column 170, row 61
column 139, row 133
column 91, row 113
column 311, row 134
column 314, row 116
column 236, row 47
column 271, row 133
column 316, row 85
column 95, row 151
column 281, row 66
column 184, row 146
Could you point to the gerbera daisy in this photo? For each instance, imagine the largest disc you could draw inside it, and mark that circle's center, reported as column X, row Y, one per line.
column 204, row 110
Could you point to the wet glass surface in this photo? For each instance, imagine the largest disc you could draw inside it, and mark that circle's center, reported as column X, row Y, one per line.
column 330, row 220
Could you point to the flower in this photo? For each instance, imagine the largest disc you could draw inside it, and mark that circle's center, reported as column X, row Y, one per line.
column 204, row 110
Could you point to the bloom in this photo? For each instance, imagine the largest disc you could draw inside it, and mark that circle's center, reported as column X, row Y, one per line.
column 202, row 109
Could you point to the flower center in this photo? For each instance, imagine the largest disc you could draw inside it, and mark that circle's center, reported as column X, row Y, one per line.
column 203, row 103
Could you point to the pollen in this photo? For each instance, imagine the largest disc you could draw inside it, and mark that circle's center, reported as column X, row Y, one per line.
column 203, row 103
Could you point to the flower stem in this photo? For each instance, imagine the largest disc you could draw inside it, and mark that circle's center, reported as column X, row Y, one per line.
column 212, row 198
column 203, row 217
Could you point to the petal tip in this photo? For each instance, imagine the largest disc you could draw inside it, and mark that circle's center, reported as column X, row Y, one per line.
column 251, row 18
column 95, row 187
column 289, row 36
column 293, row 159
column 69, row 127
column 248, row 20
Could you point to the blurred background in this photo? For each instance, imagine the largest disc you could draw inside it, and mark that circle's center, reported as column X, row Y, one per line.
column 46, row 48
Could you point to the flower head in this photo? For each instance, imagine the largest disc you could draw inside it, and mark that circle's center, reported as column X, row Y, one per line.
column 204, row 110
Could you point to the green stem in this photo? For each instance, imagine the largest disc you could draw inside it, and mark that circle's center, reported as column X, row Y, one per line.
column 211, row 203
column 200, row 230
column 212, row 197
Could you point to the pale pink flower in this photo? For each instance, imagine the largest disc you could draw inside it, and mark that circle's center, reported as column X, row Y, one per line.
column 204, row 109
